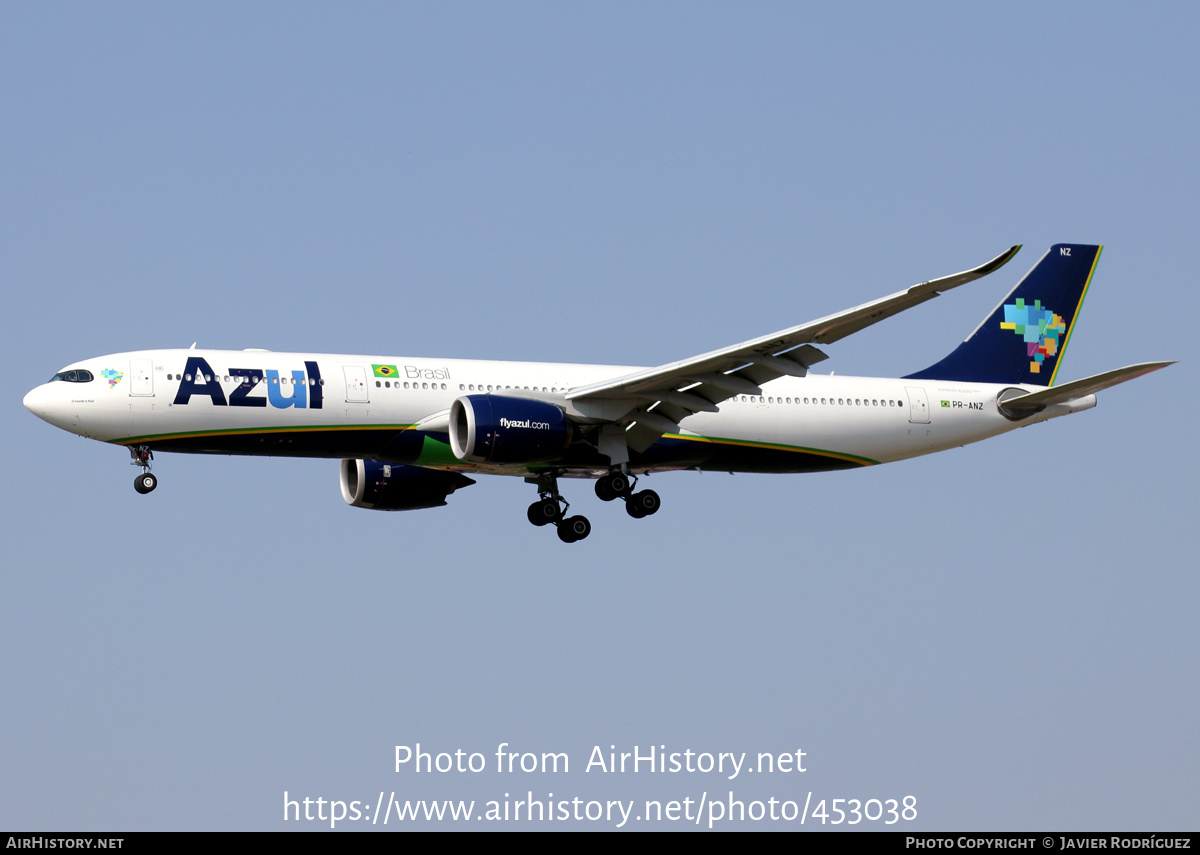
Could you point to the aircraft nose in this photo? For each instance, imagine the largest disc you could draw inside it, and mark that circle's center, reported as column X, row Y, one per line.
column 32, row 402
column 51, row 403
column 40, row 401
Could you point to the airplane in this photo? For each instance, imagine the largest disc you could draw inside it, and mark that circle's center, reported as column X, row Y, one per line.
column 411, row 431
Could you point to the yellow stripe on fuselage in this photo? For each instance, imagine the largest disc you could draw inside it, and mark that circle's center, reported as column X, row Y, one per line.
column 866, row 461
column 162, row 437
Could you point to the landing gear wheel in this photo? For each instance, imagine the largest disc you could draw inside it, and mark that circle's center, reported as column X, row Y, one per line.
column 543, row 511
column 642, row 504
column 573, row 529
column 145, row 482
column 612, row 485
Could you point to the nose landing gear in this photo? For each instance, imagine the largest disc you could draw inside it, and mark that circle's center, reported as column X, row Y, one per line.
column 142, row 455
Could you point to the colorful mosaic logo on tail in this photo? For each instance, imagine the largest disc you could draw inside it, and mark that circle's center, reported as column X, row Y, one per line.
column 1039, row 328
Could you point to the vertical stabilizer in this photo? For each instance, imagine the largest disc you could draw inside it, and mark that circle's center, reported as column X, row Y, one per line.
column 1024, row 339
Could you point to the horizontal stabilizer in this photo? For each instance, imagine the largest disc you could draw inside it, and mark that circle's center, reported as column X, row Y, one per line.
column 1080, row 388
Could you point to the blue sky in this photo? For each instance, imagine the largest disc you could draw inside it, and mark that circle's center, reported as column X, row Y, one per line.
column 1005, row 631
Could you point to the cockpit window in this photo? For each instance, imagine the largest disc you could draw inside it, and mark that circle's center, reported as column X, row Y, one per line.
column 77, row 375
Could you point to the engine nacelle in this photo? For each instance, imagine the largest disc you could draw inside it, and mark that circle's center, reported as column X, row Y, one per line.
column 395, row 486
column 498, row 429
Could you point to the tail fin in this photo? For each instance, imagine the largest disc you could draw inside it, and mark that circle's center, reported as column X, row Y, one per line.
column 1023, row 340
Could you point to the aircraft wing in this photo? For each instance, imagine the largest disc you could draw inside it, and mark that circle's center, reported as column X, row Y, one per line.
column 673, row 392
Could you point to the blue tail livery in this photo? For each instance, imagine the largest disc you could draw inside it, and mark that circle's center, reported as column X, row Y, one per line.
column 1023, row 340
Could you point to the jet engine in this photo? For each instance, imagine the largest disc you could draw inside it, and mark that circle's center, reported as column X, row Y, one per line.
column 498, row 429
column 395, row 486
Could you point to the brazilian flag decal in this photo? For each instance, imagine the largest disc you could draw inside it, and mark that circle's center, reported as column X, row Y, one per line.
column 385, row 370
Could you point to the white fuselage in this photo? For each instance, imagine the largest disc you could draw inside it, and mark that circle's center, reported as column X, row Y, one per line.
column 348, row 406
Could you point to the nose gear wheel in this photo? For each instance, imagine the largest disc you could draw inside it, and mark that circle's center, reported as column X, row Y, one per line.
column 142, row 455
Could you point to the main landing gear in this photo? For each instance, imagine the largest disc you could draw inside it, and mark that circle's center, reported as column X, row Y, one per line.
column 142, row 455
column 618, row 485
column 552, row 507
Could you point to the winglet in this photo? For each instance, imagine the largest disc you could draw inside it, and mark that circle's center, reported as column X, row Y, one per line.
column 947, row 282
